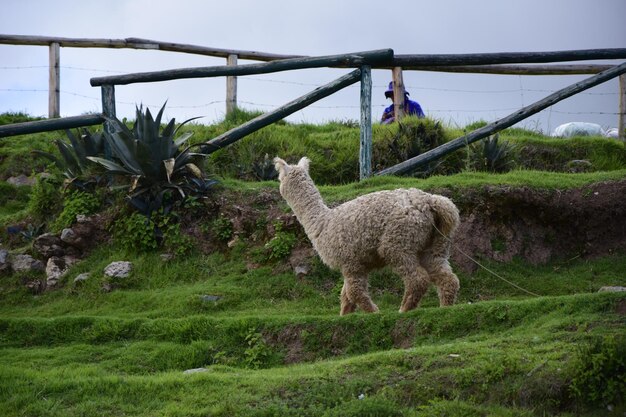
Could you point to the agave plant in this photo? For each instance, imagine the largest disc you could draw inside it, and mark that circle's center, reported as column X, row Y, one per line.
column 493, row 156
column 152, row 160
column 74, row 162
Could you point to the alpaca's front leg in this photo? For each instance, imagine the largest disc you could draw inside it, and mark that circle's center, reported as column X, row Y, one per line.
column 355, row 285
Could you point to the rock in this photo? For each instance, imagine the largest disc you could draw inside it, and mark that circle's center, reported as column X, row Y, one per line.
column 579, row 165
column 36, row 286
column 26, row 263
column 195, row 371
column 301, row 271
column 21, row 180
column 68, row 236
column 210, row 298
column 301, row 261
column 166, row 257
column 106, row 287
column 83, row 233
column 120, row 269
column 5, row 263
column 612, row 289
column 56, row 269
column 49, row 245
column 81, row 278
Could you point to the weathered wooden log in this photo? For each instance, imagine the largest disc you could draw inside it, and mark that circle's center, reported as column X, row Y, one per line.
column 398, row 93
column 507, row 57
column 266, row 119
column 621, row 119
column 108, row 109
column 556, row 69
column 365, row 149
column 138, row 43
column 54, row 81
column 231, row 87
column 503, row 123
column 344, row 60
column 51, row 124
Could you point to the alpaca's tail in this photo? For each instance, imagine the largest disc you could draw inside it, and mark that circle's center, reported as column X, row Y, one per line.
column 446, row 216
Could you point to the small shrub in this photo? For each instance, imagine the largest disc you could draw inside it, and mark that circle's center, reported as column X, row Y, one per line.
column 257, row 353
column 406, row 139
column 599, row 369
column 45, row 199
column 223, row 228
column 75, row 203
column 491, row 156
column 135, row 233
column 173, row 239
column 280, row 246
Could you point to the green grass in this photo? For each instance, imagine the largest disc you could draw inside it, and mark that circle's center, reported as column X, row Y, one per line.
column 274, row 345
column 80, row 351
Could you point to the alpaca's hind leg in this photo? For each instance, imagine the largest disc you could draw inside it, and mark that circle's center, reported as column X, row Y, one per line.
column 355, row 285
column 444, row 279
column 415, row 285
column 347, row 306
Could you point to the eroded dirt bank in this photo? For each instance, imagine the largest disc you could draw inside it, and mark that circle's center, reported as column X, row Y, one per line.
column 498, row 222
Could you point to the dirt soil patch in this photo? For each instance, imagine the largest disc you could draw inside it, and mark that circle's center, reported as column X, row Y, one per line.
column 497, row 222
column 501, row 223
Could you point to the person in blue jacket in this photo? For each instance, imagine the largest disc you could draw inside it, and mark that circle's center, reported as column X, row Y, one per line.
column 410, row 107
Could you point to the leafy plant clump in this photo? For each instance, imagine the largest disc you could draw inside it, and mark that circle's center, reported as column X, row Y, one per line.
column 280, row 246
column 491, row 156
column 45, row 199
column 135, row 233
column 151, row 164
column 599, row 372
column 73, row 162
column 74, row 204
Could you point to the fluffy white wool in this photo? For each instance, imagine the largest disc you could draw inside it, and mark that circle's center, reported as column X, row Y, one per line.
column 407, row 229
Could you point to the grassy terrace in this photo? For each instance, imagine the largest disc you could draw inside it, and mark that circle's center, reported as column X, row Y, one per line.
column 272, row 345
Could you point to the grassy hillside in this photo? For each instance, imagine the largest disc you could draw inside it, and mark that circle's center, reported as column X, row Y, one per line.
column 264, row 342
column 274, row 345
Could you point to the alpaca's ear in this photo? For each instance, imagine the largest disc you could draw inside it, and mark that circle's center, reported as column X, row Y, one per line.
column 304, row 163
column 280, row 164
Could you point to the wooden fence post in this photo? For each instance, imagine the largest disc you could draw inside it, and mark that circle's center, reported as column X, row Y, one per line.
column 621, row 121
column 108, row 110
column 365, row 154
column 398, row 93
column 231, row 87
column 54, row 80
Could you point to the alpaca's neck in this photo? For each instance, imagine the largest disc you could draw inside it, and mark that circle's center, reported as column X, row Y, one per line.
column 306, row 202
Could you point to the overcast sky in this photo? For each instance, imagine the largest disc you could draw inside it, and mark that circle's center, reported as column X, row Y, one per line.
column 320, row 27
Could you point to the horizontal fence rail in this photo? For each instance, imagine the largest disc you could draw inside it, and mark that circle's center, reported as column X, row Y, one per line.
column 51, row 124
column 508, row 57
column 138, row 43
column 355, row 59
column 503, row 123
column 503, row 69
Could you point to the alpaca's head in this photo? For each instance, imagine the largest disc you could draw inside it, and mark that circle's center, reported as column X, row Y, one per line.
column 292, row 175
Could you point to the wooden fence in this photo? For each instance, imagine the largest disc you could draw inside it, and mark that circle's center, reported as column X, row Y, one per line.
column 465, row 63
column 362, row 61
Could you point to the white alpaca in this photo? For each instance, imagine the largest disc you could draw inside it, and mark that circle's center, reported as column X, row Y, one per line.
column 407, row 229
